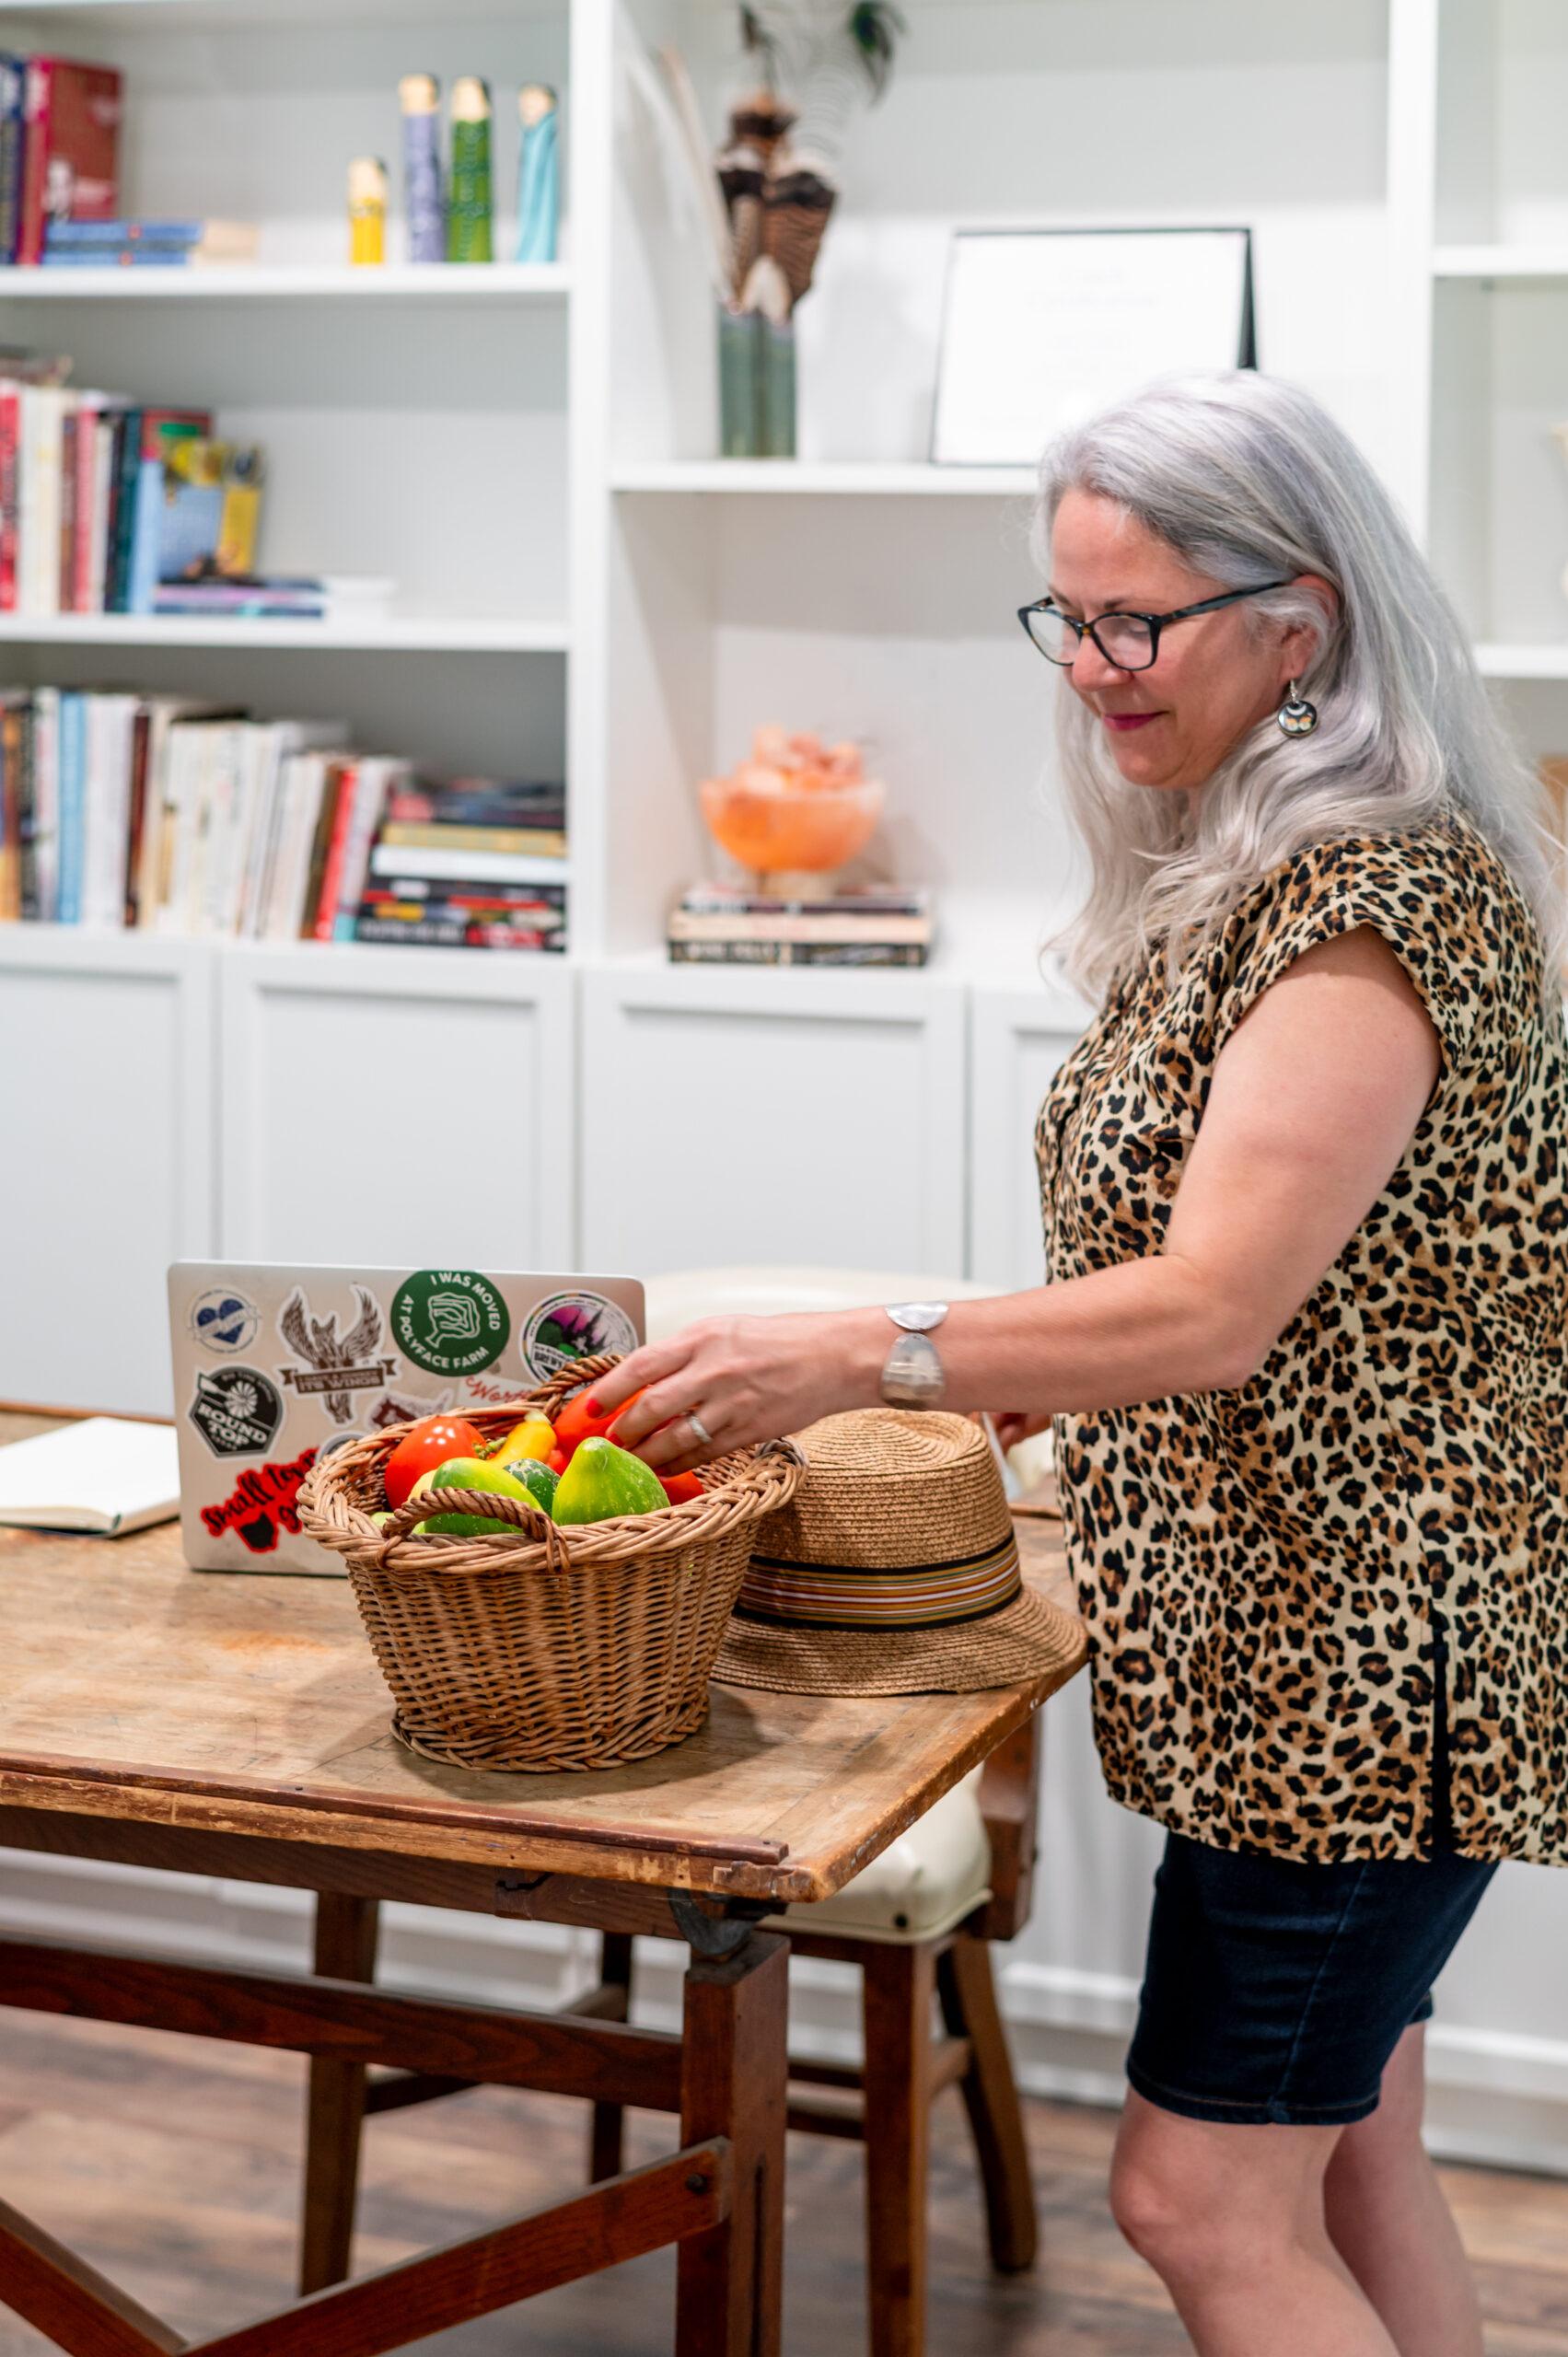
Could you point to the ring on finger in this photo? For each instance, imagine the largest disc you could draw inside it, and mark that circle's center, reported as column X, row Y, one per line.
column 700, row 1428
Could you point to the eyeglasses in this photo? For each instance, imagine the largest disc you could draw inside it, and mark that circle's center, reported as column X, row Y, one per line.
column 1128, row 642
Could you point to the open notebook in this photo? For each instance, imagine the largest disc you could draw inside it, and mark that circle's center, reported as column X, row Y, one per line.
column 102, row 1476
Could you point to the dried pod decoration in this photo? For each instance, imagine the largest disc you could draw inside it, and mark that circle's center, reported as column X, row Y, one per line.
column 818, row 67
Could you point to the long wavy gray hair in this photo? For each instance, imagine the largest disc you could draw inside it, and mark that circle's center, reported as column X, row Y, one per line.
column 1249, row 479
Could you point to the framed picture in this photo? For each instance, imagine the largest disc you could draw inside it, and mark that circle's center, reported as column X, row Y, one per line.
column 1043, row 327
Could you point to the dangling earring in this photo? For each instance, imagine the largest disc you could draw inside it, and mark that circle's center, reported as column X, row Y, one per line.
column 1296, row 715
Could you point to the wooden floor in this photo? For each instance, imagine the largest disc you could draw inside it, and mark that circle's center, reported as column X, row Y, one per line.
column 173, row 2164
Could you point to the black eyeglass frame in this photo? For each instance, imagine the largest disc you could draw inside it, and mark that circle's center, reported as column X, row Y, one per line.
column 1155, row 623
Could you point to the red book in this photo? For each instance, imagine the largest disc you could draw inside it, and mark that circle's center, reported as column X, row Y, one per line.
column 10, row 432
column 71, row 167
column 88, row 524
column 326, row 913
column 68, row 440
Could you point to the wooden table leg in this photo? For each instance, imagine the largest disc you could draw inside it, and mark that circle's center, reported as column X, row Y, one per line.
column 729, row 2281
column 346, row 1932
column 897, row 1988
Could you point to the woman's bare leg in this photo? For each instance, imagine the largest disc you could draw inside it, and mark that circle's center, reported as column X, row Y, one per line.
column 1391, row 2226
column 1232, row 2220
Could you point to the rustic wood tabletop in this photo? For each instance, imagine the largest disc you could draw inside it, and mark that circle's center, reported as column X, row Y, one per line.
column 131, row 1686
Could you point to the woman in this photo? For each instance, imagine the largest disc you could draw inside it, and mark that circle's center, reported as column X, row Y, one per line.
column 1303, row 1340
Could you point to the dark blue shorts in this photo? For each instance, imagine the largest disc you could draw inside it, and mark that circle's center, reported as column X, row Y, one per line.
column 1277, row 1991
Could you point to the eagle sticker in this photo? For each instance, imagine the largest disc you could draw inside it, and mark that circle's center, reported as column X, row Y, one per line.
column 334, row 1365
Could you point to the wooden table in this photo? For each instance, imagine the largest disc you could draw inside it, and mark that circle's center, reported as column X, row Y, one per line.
column 237, row 1726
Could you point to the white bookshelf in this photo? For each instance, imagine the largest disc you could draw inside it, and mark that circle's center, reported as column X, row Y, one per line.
column 304, row 282
column 397, row 633
column 830, row 478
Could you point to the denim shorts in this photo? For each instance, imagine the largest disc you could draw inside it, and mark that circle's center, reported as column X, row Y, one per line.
column 1277, row 1991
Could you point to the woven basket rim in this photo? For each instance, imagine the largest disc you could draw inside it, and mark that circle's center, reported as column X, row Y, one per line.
column 751, row 1482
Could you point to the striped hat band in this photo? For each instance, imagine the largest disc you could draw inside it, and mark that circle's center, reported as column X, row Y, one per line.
column 843, row 1595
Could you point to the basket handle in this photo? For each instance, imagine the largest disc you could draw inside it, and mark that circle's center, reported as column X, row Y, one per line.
column 493, row 1506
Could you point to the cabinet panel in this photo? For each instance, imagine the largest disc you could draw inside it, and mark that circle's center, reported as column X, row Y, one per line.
column 397, row 1106
column 1016, row 1040
column 106, row 1067
column 774, row 1118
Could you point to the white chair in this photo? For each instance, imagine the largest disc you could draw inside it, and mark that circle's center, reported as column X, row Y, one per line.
column 918, row 1922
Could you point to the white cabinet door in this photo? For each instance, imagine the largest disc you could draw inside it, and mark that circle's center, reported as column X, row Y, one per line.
column 1016, row 1040
column 106, row 1074
column 397, row 1106
column 786, row 1118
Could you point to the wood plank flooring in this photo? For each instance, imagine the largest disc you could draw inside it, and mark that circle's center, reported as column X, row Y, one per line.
column 173, row 2164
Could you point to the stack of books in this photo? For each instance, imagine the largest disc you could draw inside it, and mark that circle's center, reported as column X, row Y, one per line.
column 729, row 925
column 470, row 866
column 103, row 500
column 148, row 245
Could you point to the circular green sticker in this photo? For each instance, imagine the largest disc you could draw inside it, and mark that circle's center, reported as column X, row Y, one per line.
column 450, row 1321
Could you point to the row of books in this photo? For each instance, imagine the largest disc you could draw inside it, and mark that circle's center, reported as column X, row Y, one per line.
column 729, row 925
column 107, row 507
column 59, row 148
column 159, row 814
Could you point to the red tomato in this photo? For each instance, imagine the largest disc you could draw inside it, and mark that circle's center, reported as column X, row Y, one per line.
column 579, row 1421
column 431, row 1441
column 557, row 1461
column 680, row 1487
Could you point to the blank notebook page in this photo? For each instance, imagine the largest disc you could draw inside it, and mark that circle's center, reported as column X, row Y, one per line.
column 100, row 1476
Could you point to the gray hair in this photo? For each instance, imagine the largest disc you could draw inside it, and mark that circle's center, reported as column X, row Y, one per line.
column 1249, row 479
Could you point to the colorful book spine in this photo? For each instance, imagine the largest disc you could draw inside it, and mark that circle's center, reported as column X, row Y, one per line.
column 118, row 258
column 43, row 755
column 71, row 167
column 324, row 915
column 18, row 733
column 10, row 490
column 76, row 236
column 73, row 760
column 13, row 138
column 122, row 510
column 10, row 827
column 796, row 953
column 160, row 429
column 67, row 558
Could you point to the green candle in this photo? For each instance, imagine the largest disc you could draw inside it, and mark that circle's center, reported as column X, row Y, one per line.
column 469, row 205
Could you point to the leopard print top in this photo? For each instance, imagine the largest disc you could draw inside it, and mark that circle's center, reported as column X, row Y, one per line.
column 1276, row 1578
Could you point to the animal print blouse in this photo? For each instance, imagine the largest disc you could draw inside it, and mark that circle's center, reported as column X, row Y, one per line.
column 1280, row 1581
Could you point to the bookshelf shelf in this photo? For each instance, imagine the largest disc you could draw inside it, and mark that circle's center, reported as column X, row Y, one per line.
column 263, row 283
column 399, row 634
column 1502, row 661
column 1512, row 261
column 833, row 477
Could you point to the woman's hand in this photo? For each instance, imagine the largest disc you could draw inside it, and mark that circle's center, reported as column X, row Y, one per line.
column 745, row 1379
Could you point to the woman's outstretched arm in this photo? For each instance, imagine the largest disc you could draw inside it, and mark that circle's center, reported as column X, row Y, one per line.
column 1312, row 1104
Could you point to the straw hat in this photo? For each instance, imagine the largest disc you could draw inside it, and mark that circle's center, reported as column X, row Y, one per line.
column 893, row 1570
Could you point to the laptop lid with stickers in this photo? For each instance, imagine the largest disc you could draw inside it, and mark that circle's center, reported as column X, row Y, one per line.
column 276, row 1364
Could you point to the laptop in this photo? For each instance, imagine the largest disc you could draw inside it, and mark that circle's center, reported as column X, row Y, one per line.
column 276, row 1364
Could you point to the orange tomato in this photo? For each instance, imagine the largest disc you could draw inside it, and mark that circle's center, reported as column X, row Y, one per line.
column 580, row 1419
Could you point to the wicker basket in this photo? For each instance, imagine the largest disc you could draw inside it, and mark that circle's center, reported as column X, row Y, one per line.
column 545, row 1648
